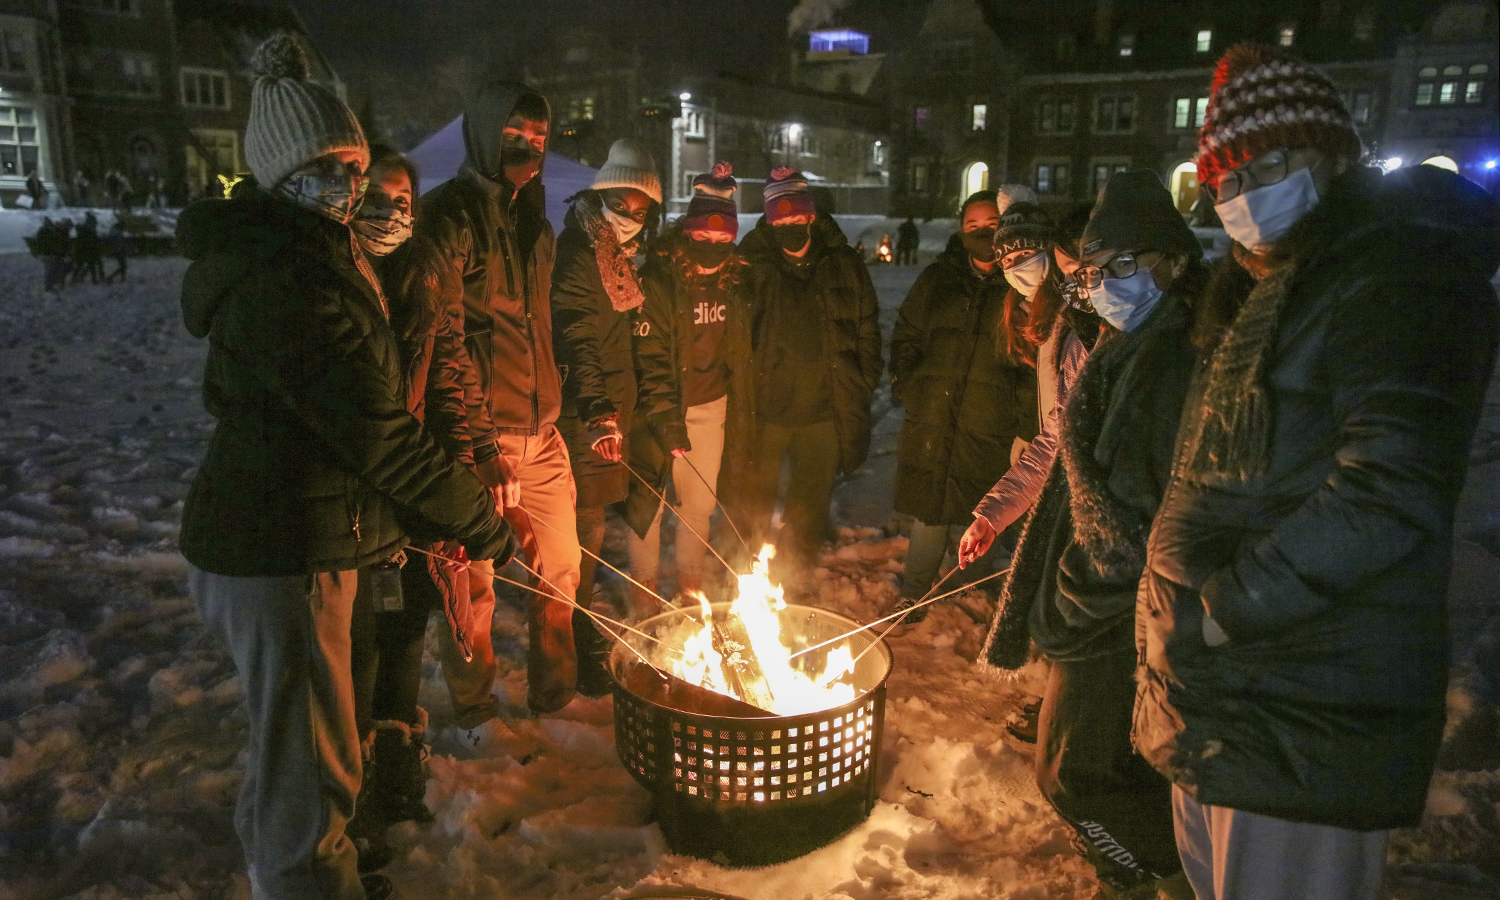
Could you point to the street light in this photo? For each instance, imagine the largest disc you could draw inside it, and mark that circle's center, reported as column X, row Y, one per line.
column 684, row 96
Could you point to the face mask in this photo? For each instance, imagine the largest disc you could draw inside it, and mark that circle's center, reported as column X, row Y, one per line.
column 520, row 164
column 1259, row 216
column 624, row 227
column 1073, row 295
column 1027, row 277
column 381, row 229
column 792, row 237
column 1126, row 302
column 337, row 197
column 980, row 245
column 708, row 254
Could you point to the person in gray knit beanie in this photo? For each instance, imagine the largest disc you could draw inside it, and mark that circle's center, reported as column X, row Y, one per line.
column 295, row 122
column 629, row 166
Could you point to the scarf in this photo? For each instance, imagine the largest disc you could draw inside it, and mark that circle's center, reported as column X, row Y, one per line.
column 616, row 263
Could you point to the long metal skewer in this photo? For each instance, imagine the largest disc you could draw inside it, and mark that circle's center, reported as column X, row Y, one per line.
column 898, row 614
column 715, row 495
column 680, row 520
column 897, row 624
column 597, row 558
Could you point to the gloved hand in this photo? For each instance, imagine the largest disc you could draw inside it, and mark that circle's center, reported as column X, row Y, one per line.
column 494, row 541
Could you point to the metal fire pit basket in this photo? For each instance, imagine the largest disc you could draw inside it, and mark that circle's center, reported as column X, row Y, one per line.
column 756, row 791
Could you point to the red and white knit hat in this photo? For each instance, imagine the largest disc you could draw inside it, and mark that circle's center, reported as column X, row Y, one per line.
column 712, row 207
column 1262, row 100
column 787, row 195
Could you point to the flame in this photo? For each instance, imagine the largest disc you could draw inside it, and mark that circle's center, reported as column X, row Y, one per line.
column 754, row 610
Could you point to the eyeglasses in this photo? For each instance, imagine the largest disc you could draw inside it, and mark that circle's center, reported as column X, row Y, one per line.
column 1268, row 168
column 1122, row 266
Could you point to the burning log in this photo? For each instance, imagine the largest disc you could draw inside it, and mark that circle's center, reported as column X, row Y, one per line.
column 665, row 689
column 742, row 670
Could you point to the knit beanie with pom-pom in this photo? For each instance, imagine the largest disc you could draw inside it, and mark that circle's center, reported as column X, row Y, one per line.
column 1006, row 194
column 712, row 207
column 294, row 121
column 1262, row 100
column 787, row 195
column 629, row 166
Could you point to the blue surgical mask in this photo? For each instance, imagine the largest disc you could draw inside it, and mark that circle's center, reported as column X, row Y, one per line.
column 1027, row 277
column 1259, row 216
column 1126, row 302
column 338, row 196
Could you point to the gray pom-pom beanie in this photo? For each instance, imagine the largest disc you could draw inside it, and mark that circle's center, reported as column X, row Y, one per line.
column 292, row 120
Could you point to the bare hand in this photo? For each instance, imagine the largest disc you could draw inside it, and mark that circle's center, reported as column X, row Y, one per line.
column 609, row 447
column 500, row 477
column 975, row 542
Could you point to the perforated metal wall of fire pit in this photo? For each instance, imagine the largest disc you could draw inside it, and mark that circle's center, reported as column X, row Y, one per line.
column 749, row 792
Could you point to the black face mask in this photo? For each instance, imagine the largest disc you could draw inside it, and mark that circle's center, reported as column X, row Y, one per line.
column 792, row 237
column 980, row 245
column 524, row 162
column 708, row 254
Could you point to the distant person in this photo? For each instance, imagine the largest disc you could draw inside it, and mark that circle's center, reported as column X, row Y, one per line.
column 816, row 345
column 50, row 245
column 88, row 251
column 908, row 239
column 117, row 246
column 36, row 190
column 81, row 185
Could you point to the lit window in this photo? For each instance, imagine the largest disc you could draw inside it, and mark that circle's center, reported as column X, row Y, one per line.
column 692, row 123
column 581, row 109
column 1114, row 114
column 919, row 178
column 1127, row 44
column 978, row 115
column 204, row 88
column 18, row 139
column 1427, row 72
column 1288, row 35
column 686, row 188
column 807, row 142
column 776, row 140
column 1205, row 40
column 1474, row 92
column 1448, row 92
column 1452, row 70
column 877, row 153
column 1424, row 94
column 1361, row 107
column 1480, row 69
column 1200, row 111
column 1183, row 112
column 1043, row 179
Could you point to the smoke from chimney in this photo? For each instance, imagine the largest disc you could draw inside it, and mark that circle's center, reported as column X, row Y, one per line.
column 811, row 14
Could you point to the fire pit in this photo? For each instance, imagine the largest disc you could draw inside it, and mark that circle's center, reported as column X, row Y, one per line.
column 743, row 786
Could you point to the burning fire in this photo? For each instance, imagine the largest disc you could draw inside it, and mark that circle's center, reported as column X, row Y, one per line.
column 744, row 656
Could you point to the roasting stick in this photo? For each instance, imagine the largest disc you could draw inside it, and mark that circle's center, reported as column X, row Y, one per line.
column 718, row 504
column 920, row 602
column 680, row 520
column 600, row 618
column 897, row 623
column 598, row 559
column 897, row 615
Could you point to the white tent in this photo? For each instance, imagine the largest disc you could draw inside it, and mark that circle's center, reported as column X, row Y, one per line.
column 439, row 157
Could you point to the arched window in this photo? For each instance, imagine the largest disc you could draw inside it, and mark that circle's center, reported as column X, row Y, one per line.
column 976, row 178
column 1185, row 186
column 1442, row 162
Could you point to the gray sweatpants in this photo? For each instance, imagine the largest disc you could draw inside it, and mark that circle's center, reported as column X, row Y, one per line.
column 1230, row 854
column 290, row 641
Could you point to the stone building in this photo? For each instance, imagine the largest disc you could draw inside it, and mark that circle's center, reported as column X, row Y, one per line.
column 35, row 126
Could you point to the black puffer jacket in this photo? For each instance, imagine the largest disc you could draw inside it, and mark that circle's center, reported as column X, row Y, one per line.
column 314, row 448
column 1329, row 570
column 500, row 249
column 592, row 342
column 966, row 399
column 663, row 353
column 851, row 324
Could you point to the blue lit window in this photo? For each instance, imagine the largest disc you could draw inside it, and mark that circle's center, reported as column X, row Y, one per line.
column 837, row 41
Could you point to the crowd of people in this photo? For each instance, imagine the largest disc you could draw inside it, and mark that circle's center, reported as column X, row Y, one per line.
column 1224, row 494
column 70, row 252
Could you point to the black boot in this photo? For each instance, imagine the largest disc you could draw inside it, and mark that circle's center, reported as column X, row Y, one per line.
column 399, row 781
column 594, row 679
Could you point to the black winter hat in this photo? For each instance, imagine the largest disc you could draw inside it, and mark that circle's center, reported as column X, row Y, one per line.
column 1135, row 212
column 1024, row 226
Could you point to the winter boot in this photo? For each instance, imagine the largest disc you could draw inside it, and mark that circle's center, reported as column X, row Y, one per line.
column 399, row 782
column 367, row 828
column 1022, row 724
column 594, row 679
column 551, row 660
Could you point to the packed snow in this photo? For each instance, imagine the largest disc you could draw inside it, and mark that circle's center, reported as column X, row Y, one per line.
column 121, row 732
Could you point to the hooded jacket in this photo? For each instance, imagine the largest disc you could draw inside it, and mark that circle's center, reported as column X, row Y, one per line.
column 1328, row 567
column 663, row 353
column 851, row 324
column 966, row 400
column 313, row 450
column 500, row 250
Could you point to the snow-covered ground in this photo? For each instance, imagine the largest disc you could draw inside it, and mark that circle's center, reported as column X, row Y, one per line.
column 121, row 731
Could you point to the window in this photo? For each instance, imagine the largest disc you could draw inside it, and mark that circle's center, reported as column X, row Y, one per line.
column 692, row 123
column 1448, row 92
column 138, row 75
column 212, row 152
column 1424, row 95
column 18, row 139
column 976, row 178
column 204, row 88
column 1364, row 26
column 13, row 51
column 877, row 154
column 1125, row 45
column 977, row 115
column 1205, row 40
column 1055, row 116
column 1052, row 178
column 1425, row 88
column 920, row 115
column 686, row 188
column 1189, row 112
column 1114, row 114
column 581, row 108
column 1360, row 107
column 114, row 7
column 919, row 177
column 776, row 140
column 1287, row 36
column 1474, row 90
column 807, row 142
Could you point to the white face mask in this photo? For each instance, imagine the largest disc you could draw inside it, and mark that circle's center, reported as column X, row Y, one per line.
column 1126, row 302
column 624, row 227
column 1028, row 276
column 1259, row 216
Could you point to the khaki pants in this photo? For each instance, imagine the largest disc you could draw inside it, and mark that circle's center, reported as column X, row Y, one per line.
column 695, row 500
column 289, row 638
column 547, row 499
